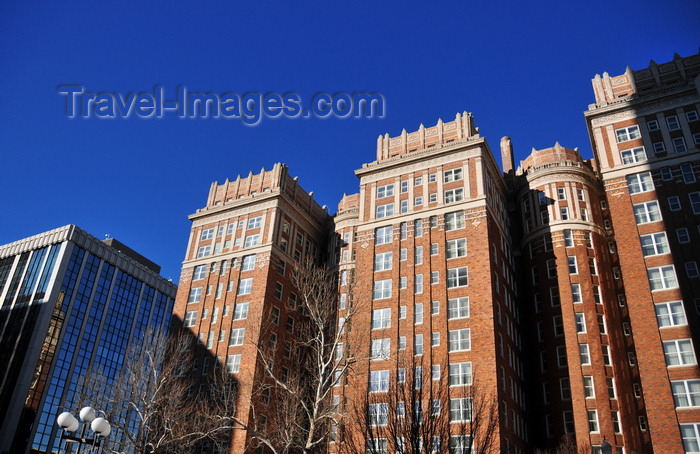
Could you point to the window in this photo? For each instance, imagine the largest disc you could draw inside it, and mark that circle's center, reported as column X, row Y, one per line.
column 275, row 315
column 418, row 313
column 381, row 348
column 584, row 354
column 378, row 414
column 460, row 340
column 417, row 181
column 588, row 389
column 558, row 325
column 691, row 115
column 691, row 269
column 385, row 210
column 628, row 133
column 452, row 175
column 199, row 272
column 252, row 240
column 695, row 201
column 662, row 277
column 432, row 178
column 672, row 123
column 564, row 213
column 248, row 263
column 686, row 393
column 382, row 289
column 402, row 342
column 679, row 145
column 379, row 381
column 565, row 388
column 679, row 352
column 384, row 235
column 561, row 356
column 460, row 409
column 593, row 420
column 454, row 221
column 381, row 318
column 457, row 277
column 404, row 186
column 434, row 277
column 682, row 235
column 403, row 282
column 654, row 244
column 688, row 174
column 241, row 311
column 674, row 203
column 652, row 125
column 576, row 293
column 580, row 323
column 561, row 193
column 460, row 374
column 190, row 319
column 659, row 148
column 568, row 238
column 647, row 212
column 236, row 337
column 460, row 444
column 691, row 437
column 418, row 255
column 382, row 261
column 245, row 286
column 454, row 195
column 233, row 364
column 290, row 324
column 254, row 223
column 573, row 267
column 195, row 295
column 207, row 234
column 640, row 182
column 404, row 206
column 385, row 191
column 602, row 327
column 418, row 344
column 592, row 267
column 457, row 248
column 418, row 227
column 458, row 307
column 418, row 201
column 203, row 251
column 633, row 155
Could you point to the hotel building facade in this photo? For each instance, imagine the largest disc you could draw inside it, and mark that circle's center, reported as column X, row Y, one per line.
column 568, row 289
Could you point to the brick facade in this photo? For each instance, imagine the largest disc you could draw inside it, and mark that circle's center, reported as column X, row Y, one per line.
column 580, row 277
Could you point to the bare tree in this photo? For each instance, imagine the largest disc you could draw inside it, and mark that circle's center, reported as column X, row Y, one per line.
column 567, row 445
column 323, row 353
column 155, row 405
column 419, row 413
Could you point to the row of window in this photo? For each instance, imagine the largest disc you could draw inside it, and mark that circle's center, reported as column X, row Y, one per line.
column 460, row 374
column 448, row 177
column 456, row 277
column 632, row 132
column 253, row 223
column 455, row 249
column 250, row 241
column 456, row 308
column 459, row 340
column 453, row 221
column 200, row 271
column 240, row 313
column 460, row 411
column 451, row 196
column 458, row 444
column 245, row 286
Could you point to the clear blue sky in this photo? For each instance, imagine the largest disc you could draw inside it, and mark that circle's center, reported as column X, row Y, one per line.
column 522, row 68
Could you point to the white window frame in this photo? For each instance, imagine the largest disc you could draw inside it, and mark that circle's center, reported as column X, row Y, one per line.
column 662, row 278
column 640, row 182
column 633, row 155
column 628, row 133
column 460, row 340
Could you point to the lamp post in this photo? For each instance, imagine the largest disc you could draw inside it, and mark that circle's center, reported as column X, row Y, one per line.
column 68, row 422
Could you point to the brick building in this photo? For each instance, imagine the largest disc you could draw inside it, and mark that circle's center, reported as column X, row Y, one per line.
column 569, row 289
column 235, row 290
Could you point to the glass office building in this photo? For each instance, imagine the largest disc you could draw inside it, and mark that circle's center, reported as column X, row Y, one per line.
column 69, row 303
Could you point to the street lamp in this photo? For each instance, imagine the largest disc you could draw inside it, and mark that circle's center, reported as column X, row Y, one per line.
column 68, row 422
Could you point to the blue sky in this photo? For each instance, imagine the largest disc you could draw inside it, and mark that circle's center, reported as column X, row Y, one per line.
column 522, row 68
